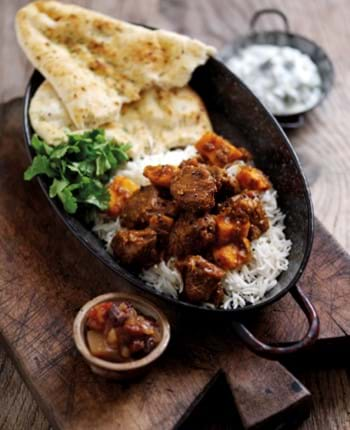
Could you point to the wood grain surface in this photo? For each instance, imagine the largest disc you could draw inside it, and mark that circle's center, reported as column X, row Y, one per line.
column 321, row 144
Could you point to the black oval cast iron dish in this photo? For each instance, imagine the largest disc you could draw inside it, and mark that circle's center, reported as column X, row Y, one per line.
column 237, row 115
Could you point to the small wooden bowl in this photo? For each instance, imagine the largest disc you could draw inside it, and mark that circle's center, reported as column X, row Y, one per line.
column 124, row 370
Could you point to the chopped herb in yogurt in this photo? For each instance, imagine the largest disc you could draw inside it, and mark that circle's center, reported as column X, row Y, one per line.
column 283, row 78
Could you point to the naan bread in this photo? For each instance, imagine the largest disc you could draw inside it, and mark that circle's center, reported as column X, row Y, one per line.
column 160, row 120
column 96, row 63
column 48, row 116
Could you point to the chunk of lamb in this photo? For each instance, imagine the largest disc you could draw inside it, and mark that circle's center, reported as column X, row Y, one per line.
column 162, row 225
column 226, row 185
column 246, row 155
column 136, row 248
column 245, row 206
column 160, row 176
column 194, row 161
column 191, row 235
column 201, row 279
column 142, row 205
column 218, row 151
column 193, row 188
column 218, row 296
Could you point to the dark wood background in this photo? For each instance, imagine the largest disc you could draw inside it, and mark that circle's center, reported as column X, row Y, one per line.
column 322, row 145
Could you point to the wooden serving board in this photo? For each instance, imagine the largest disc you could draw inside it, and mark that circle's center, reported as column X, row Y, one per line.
column 46, row 276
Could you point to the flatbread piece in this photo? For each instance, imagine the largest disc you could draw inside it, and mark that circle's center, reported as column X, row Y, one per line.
column 160, row 120
column 96, row 63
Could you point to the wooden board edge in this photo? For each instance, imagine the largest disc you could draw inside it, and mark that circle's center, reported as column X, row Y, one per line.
column 300, row 411
column 219, row 374
column 27, row 381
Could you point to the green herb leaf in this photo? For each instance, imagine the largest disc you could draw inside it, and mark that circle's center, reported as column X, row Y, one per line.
column 61, row 150
column 57, row 186
column 39, row 166
column 40, row 147
column 94, row 193
column 102, row 165
column 68, row 200
column 80, row 168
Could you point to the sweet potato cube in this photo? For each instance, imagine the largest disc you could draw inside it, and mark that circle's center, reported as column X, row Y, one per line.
column 120, row 190
column 217, row 151
column 228, row 229
column 250, row 178
column 160, row 176
column 232, row 256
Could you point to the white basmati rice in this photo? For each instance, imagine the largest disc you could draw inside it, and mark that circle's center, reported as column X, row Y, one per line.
column 164, row 277
column 247, row 285
column 106, row 230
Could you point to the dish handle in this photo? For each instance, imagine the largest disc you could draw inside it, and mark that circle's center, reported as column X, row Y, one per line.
column 270, row 11
column 277, row 352
column 291, row 121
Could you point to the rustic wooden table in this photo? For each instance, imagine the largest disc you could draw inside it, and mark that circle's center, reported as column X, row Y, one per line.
column 321, row 145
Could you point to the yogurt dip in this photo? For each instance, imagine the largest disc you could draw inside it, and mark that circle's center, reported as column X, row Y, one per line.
column 283, row 78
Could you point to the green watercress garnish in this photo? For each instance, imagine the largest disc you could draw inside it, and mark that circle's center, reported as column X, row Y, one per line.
column 79, row 169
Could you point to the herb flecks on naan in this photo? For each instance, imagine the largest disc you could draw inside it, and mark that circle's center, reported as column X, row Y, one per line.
column 96, row 63
column 48, row 117
column 160, row 120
